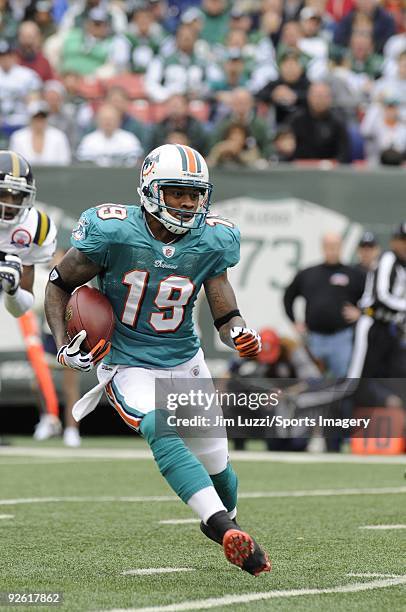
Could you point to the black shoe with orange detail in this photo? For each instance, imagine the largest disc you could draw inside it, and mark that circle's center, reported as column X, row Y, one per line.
column 239, row 547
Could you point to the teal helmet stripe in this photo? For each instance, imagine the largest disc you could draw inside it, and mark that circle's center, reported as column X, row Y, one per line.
column 183, row 156
column 198, row 162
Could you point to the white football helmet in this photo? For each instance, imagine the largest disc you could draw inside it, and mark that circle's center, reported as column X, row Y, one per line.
column 173, row 165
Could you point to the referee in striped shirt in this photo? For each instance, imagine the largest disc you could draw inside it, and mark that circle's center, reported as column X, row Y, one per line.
column 379, row 334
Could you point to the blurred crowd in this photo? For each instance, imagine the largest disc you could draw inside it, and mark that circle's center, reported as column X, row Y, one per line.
column 247, row 83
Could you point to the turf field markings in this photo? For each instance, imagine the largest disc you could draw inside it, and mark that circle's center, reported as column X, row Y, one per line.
column 47, row 500
column 6, row 516
column 82, row 453
column 171, row 498
column 382, row 527
column 179, row 521
column 230, row 600
column 156, row 570
column 372, row 575
column 249, row 456
column 324, row 492
column 5, row 461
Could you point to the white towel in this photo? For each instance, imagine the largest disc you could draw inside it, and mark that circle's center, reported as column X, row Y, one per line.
column 90, row 400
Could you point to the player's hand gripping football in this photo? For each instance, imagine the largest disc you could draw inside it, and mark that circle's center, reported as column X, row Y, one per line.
column 11, row 269
column 246, row 341
column 71, row 355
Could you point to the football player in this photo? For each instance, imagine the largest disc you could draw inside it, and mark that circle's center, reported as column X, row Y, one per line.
column 151, row 261
column 27, row 237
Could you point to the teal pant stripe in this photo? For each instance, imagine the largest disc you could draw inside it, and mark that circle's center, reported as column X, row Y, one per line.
column 226, row 485
column 180, row 468
column 120, row 398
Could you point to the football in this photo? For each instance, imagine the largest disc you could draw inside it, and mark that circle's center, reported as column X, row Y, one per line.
column 89, row 309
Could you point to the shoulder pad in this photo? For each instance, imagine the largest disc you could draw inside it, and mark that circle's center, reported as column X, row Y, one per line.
column 43, row 227
column 221, row 231
column 108, row 211
column 107, row 220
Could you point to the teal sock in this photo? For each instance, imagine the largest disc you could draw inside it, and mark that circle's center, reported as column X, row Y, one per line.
column 180, row 468
column 226, row 484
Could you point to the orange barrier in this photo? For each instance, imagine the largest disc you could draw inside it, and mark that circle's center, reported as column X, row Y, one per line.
column 385, row 434
column 36, row 355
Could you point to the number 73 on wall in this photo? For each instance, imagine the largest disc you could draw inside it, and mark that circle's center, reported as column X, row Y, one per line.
column 279, row 257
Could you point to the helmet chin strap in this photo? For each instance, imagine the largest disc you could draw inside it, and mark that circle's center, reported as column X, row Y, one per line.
column 19, row 217
column 161, row 215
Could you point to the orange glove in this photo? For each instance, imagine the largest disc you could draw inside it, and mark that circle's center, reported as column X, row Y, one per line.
column 246, row 341
column 71, row 355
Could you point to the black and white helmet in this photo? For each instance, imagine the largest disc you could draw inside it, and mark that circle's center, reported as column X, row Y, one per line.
column 16, row 178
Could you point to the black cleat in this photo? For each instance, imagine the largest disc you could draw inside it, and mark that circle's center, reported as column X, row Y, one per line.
column 242, row 550
column 211, row 533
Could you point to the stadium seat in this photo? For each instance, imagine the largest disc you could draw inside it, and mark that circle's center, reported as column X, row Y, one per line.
column 91, row 88
column 132, row 83
column 141, row 110
column 158, row 111
column 317, row 164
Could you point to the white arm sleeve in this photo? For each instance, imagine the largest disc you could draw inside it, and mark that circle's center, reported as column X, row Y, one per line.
column 19, row 303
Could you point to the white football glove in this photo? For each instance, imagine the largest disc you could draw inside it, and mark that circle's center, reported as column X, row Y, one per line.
column 71, row 356
column 11, row 269
column 246, row 341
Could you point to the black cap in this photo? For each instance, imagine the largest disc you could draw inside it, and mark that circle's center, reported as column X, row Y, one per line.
column 400, row 231
column 368, row 239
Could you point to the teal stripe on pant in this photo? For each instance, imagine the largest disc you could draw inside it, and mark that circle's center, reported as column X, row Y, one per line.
column 120, row 398
column 180, row 468
column 226, row 485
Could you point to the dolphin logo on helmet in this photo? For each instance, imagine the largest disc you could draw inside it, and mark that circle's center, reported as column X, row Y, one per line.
column 175, row 165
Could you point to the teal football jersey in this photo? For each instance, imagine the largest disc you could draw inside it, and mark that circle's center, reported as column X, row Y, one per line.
column 151, row 285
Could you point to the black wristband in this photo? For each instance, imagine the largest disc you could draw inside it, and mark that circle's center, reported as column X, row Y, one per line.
column 56, row 279
column 226, row 318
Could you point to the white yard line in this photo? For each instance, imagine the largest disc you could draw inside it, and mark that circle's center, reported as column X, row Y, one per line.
column 101, row 499
column 383, row 527
column 372, row 575
column 179, row 521
column 6, row 516
column 5, row 461
column 77, row 453
column 324, row 492
column 250, row 456
column 230, row 600
column 156, row 570
column 171, row 498
column 280, row 457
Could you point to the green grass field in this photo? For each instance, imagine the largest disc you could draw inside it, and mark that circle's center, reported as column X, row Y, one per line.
column 82, row 541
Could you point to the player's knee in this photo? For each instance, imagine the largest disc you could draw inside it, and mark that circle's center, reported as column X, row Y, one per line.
column 166, row 444
column 154, row 426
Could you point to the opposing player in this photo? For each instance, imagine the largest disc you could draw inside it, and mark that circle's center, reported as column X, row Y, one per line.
column 151, row 262
column 27, row 237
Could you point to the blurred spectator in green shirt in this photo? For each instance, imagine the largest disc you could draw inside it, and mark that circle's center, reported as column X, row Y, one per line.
column 94, row 49
column 216, row 20
column 242, row 110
